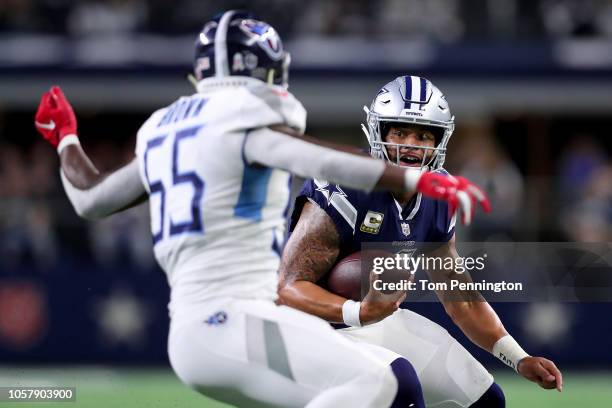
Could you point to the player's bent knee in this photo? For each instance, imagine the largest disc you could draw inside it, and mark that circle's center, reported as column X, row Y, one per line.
column 492, row 398
column 409, row 391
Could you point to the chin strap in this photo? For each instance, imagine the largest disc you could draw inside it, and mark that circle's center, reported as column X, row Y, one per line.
column 364, row 128
column 365, row 131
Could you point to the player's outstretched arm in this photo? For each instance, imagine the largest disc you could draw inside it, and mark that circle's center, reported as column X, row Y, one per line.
column 467, row 308
column 281, row 147
column 92, row 193
column 309, row 254
column 479, row 322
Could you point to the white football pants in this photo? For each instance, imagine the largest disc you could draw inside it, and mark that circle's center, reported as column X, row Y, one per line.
column 253, row 353
column 450, row 376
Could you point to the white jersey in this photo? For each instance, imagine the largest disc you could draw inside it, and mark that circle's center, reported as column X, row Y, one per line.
column 217, row 222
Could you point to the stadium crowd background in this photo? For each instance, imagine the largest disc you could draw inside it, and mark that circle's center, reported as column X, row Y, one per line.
column 444, row 20
column 73, row 291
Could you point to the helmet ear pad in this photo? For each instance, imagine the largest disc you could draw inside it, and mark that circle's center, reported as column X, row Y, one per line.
column 243, row 61
column 384, row 130
column 438, row 133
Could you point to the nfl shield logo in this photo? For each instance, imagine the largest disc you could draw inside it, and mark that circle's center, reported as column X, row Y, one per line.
column 406, row 228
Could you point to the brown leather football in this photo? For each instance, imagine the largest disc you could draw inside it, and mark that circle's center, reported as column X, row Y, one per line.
column 345, row 278
column 348, row 280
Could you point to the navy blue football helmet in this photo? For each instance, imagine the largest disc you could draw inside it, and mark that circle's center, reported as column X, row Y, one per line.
column 236, row 43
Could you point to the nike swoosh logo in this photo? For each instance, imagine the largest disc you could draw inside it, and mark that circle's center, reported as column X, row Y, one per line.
column 48, row 126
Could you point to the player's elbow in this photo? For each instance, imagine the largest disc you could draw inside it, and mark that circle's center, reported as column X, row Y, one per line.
column 85, row 203
column 287, row 292
column 284, row 294
column 83, row 212
column 88, row 212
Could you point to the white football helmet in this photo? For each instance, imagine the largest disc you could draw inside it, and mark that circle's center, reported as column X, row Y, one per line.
column 409, row 99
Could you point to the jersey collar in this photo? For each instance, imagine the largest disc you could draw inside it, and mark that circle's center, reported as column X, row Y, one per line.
column 214, row 84
column 415, row 203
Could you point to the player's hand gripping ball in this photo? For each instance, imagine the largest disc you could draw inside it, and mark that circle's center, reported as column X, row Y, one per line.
column 55, row 118
column 458, row 192
column 354, row 278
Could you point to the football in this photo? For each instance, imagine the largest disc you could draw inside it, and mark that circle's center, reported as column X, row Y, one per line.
column 345, row 278
column 350, row 277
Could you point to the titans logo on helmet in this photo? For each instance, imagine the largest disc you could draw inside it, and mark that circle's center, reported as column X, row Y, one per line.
column 265, row 36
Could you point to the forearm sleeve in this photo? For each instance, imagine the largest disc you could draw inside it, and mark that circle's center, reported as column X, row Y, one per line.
column 118, row 190
column 305, row 159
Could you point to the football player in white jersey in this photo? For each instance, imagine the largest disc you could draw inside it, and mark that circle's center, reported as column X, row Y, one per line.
column 215, row 167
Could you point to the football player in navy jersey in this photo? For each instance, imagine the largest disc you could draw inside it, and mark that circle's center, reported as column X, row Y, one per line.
column 409, row 124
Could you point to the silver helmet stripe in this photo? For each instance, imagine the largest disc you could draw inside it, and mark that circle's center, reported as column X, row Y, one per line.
column 221, row 62
column 416, row 88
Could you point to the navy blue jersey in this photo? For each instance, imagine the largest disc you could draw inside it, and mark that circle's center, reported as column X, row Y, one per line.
column 360, row 217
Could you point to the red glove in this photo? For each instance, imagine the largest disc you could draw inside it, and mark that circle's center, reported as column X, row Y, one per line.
column 55, row 118
column 458, row 192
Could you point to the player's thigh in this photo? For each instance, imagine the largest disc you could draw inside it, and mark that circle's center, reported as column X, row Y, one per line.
column 383, row 354
column 264, row 355
column 450, row 376
column 318, row 357
column 405, row 333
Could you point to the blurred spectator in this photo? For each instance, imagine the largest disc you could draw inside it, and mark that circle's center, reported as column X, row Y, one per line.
column 123, row 238
column 434, row 19
column 571, row 18
column 18, row 16
column 26, row 219
column 585, row 191
column 34, row 212
column 604, row 19
column 340, row 18
column 188, row 16
column 581, row 159
column 28, row 16
column 484, row 162
column 107, row 17
column 442, row 20
column 589, row 218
